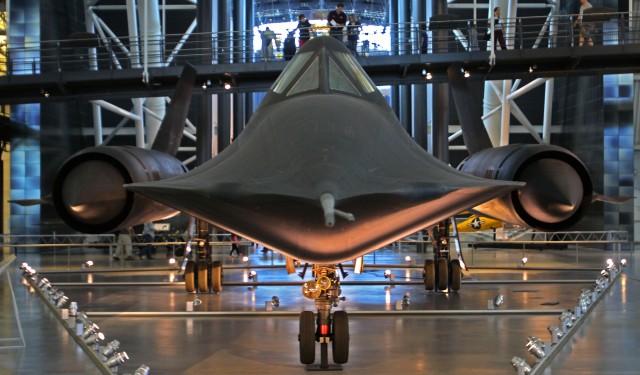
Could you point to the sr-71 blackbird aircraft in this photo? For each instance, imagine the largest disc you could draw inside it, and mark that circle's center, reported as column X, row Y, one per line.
column 323, row 173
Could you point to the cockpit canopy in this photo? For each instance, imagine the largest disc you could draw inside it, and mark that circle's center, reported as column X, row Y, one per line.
column 324, row 70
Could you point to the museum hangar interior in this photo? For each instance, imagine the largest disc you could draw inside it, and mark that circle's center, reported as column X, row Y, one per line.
column 76, row 75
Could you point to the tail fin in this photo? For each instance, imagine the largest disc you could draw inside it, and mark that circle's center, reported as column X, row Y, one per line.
column 473, row 132
column 170, row 132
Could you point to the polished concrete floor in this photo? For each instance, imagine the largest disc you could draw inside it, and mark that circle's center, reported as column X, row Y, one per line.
column 142, row 304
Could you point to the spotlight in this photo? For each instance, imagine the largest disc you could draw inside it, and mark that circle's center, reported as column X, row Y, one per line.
column 467, row 74
column 623, row 262
column 532, row 68
column 389, row 275
column 196, row 301
column 535, row 346
column 407, row 258
column 82, row 318
column 44, row 284
column 73, row 308
column 253, row 275
column 556, row 333
column 499, row 300
column 520, row 365
column 90, row 330
column 429, row 76
column 524, row 261
column 87, row 264
column 275, row 301
column 424, row 72
column 227, row 86
column 94, row 338
column 172, row 260
column 111, row 348
column 245, row 258
column 142, row 370
column 117, row 359
column 62, row 301
column 610, row 263
column 24, row 266
column 567, row 318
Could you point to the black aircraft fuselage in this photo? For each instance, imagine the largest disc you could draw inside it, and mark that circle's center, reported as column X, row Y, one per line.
column 323, row 172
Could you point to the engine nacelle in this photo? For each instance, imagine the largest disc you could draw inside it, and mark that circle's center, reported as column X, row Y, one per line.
column 558, row 188
column 88, row 190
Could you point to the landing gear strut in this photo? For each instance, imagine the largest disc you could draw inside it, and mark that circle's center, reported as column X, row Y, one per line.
column 327, row 328
column 200, row 273
column 443, row 273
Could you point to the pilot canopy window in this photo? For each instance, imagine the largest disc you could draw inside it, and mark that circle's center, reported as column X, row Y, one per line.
column 341, row 72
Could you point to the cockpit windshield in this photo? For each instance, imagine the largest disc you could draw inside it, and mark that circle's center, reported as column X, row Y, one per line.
column 323, row 71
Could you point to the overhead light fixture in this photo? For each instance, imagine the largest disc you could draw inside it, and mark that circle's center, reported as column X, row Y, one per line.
column 467, row 74
column 610, row 263
column 245, row 258
column 523, row 261
column 87, row 264
column 44, row 93
column 623, row 262
column 172, row 260
column 499, row 300
column 117, row 359
column 429, row 75
column 407, row 258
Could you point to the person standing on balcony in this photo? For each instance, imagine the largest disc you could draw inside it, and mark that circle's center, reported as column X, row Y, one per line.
column 337, row 20
column 304, row 30
column 497, row 27
column 585, row 27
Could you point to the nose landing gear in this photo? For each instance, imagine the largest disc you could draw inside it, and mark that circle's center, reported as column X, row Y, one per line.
column 326, row 327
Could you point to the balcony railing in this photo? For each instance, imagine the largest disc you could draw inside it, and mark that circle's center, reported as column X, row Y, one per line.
column 91, row 52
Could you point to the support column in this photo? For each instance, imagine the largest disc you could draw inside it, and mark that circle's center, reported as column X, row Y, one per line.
column 404, row 35
column 393, row 32
column 238, row 52
column 224, row 57
column 204, row 126
column 419, row 17
column 440, row 95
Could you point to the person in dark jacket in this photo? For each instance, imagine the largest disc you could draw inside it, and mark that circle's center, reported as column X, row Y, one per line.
column 304, row 30
column 337, row 20
column 353, row 34
column 289, row 46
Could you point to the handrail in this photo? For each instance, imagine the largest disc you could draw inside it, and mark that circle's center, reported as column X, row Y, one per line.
column 114, row 52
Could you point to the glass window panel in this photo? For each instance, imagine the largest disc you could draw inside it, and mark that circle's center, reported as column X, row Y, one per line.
column 339, row 82
column 353, row 68
column 296, row 64
column 309, row 81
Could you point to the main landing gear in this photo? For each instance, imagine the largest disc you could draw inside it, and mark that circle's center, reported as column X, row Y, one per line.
column 443, row 273
column 324, row 328
column 200, row 273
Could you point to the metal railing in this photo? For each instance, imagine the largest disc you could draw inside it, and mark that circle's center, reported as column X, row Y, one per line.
column 451, row 36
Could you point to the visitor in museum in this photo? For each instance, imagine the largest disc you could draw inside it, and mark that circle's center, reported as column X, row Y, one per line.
column 124, row 245
column 337, row 20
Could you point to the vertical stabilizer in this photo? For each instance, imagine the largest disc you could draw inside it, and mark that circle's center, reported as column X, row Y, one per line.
column 473, row 132
column 170, row 132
